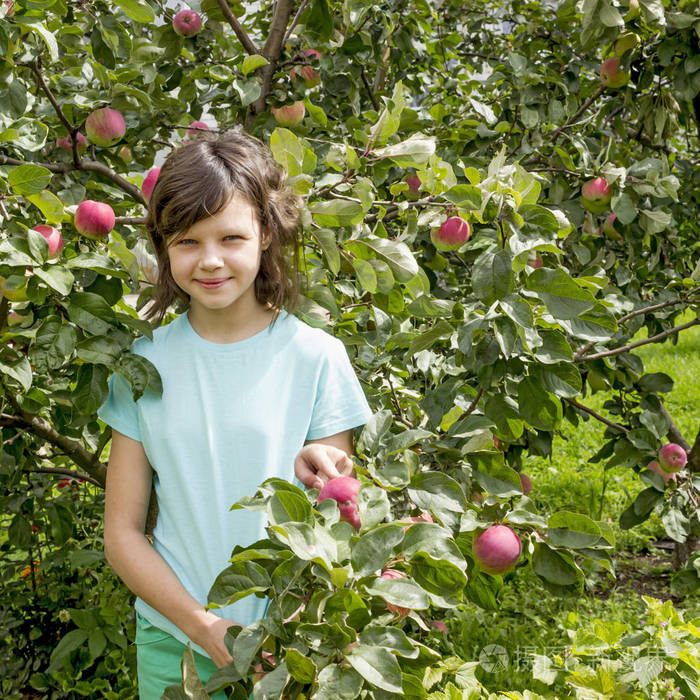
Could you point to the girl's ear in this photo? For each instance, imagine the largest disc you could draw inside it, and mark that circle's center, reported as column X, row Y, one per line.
column 266, row 239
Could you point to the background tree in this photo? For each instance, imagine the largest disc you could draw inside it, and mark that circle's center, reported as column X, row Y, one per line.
column 404, row 128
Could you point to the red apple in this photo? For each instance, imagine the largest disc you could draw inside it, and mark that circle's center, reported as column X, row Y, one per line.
column 672, row 458
column 312, row 53
column 94, row 219
column 105, row 126
column 395, row 609
column 187, row 23
column 611, row 75
column 196, row 129
column 414, row 184
column 525, row 483
column 290, row 115
column 596, row 195
column 53, row 238
column 439, row 625
column 534, row 260
column 67, row 143
column 9, row 6
column 451, row 235
column 343, row 490
column 150, row 182
column 655, row 467
column 497, row 549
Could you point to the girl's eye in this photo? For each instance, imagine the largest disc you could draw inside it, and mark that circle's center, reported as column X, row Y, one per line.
column 186, row 241
column 232, row 237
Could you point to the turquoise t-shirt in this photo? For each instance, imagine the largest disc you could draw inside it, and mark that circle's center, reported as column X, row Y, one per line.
column 231, row 415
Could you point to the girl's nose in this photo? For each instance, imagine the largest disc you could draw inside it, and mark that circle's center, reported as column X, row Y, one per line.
column 211, row 259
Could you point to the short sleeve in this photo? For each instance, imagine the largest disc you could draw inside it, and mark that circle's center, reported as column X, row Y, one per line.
column 120, row 410
column 340, row 403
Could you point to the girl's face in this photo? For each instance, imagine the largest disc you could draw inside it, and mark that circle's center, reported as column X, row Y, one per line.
column 217, row 260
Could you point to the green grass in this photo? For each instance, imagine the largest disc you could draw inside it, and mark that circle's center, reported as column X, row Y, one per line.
column 570, row 481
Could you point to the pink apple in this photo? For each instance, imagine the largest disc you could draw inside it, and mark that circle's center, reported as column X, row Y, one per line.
column 53, row 238
column 150, row 182
column 596, row 195
column 422, row 518
column 654, row 466
column 196, row 129
column 94, row 219
column 343, row 490
column 525, row 483
column 626, row 42
column 67, row 143
column 534, row 261
column 9, row 6
column 611, row 75
column 395, row 609
column 187, row 23
column 439, row 625
column 105, row 126
column 497, row 549
column 451, row 235
column 672, row 458
column 290, row 115
column 414, row 183
column 312, row 53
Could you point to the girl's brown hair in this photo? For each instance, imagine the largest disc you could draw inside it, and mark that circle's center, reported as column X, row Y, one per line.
column 197, row 181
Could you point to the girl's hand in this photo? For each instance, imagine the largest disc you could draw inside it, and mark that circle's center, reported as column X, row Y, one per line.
column 318, row 463
column 211, row 639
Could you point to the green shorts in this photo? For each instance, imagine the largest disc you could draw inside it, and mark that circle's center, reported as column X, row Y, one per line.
column 159, row 658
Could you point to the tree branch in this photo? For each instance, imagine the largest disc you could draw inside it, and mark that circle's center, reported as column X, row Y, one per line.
column 570, row 120
column 74, row 450
column 631, row 346
column 88, row 165
column 472, row 406
column 65, row 472
column 295, row 21
column 272, row 52
column 595, row 415
column 238, row 30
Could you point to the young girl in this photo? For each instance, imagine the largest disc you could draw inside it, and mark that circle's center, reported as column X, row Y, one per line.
column 249, row 392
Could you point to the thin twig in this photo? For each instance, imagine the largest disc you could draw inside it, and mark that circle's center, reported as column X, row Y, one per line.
column 472, row 406
column 595, row 415
column 238, row 30
column 631, row 346
column 295, row 21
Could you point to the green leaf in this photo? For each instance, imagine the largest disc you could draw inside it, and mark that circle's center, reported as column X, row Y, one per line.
column 57, row 277
column 287, row 506
column 28, row 179
column 561, row 295
column 572, row 530
column 413, row 152
column 492, row 276
column 337, row 212
column 389, row 638
column 240, row 579
column 319, row 21
column 20, row 370
column 300, row 667
column 373, row 504
column 91, row 312
column 329, row 246
column 54, row 344
column 36, row 25
column 373, row 550
column 437, row 576
column 29, row 134
column 138, row 10
column 378, row 666
column 49, row 205
column 538, row 407
column 366, row 275
column 555, row 566
column 397, row 254
column 437, row 491
column 99, row 349
column 140, row 373
column 69, row 642
column 252, row 63
column 248, row 90
column 336, row 683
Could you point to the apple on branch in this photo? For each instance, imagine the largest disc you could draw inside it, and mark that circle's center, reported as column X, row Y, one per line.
column 497, row 549
column 94, row 220
column 290, row 115
column 453, row 234
column 67, row 142
column 187, row 23
column 53, row 238
column 596, row 195
column 150, row 182
column 105, row 126
column 672, row 458
column 612, row 75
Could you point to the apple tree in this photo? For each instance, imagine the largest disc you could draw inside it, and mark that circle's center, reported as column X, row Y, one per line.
column 499, row 210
